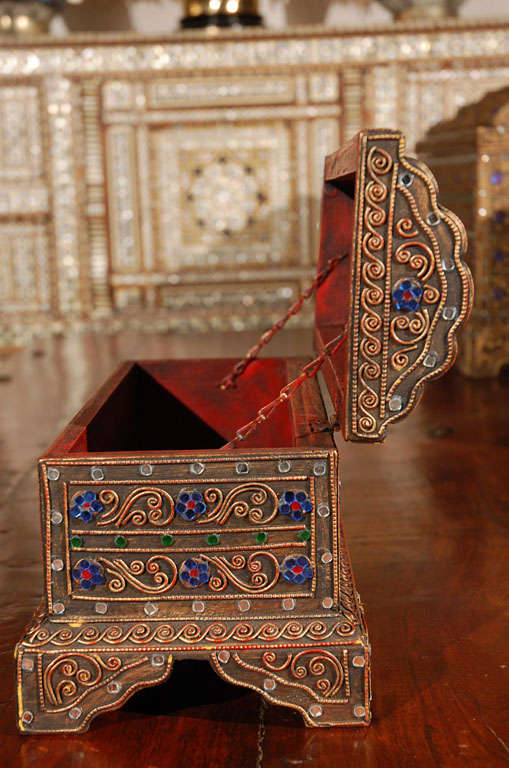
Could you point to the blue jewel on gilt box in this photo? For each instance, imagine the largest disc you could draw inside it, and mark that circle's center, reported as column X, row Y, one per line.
column 295, row 504
column 407, row 295
column 85, row 505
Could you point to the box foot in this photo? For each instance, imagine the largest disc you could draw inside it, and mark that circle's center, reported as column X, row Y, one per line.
column 328, row 685
column 63, row 691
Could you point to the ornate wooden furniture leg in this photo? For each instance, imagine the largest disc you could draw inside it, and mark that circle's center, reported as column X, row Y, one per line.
column 159, row 546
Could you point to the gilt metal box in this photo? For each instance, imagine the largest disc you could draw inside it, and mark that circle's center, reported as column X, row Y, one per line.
column 469, row 155
column 160, row 545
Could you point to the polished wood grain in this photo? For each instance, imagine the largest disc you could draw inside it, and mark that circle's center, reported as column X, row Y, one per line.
column 425, row 517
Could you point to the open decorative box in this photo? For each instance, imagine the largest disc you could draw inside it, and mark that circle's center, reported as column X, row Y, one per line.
column 160, row 544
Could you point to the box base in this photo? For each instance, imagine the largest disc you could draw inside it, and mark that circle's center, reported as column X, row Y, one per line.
column 70, row 672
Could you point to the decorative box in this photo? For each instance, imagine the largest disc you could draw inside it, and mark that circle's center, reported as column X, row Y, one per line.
column 160, row 545
column 470, row 157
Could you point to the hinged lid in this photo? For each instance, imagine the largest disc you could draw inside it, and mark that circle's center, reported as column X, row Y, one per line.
column 402, row 291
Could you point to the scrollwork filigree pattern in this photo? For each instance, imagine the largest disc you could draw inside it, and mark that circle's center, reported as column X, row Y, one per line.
column 66, row 676
column 160, row 508
column 252, row 507
column 259, row 581
column 379, row 164
column 128, row 573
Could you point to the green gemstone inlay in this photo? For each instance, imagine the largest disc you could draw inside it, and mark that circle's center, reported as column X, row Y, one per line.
column 305, row 535
column 76, row 541
column 261, row 537
column 167, row 540
column 120, row 541
column 213, row 539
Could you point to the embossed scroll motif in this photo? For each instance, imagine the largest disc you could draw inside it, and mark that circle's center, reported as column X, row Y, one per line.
column 257, row 502
column 243, row 501
column 190, row 633
column 163, row 573
column 128, row 573
column 160, row 508
column 379, row 165
column 310, row 663
column 259, row 581
column 69, row 678
column 66, row 677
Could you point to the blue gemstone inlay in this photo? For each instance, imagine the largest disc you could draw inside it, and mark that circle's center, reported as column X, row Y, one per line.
column 85, row 505
column 295, row 504
column 194, row 573
column 88, row 574
column 297, row 569
column 190, row 505
column 406, row 295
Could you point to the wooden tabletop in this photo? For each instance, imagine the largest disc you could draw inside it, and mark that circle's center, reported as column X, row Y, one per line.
column 424, row 517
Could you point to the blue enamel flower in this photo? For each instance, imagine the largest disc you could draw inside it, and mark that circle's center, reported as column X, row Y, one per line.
column 295, row 504
column 85, row 505
column 407, row 295
column 296, row 569
column 194, row 572
column 87, row 574
column 190, row 505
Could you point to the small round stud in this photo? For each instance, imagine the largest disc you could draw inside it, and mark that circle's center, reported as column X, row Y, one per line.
column 157, row 660
column 242, row 468
column 448, row 264
column 269, row 684
column 56, row 517
column 430, row 360
column 326, row 557
column 197, row 468
column 358, row 661
column 224, row 657
column 320, row 468
column 327, row 602
column 243, row 605
column 406, row 179
column 57, row 564
column 27, row 717
column 198, row 606
column 359, row 711
column 315, row 710
column 58, row 608
column 284, row 466
column 53, row 473
column 395, row 403
column 150, row 609
column 323, row 510
column 97, row 473
column 433, row 219
column 146, row 470
column 75, row 713
column 101, row 608
column 27, row 664
column 449, row 313
column 114, row 687
column 288, row 604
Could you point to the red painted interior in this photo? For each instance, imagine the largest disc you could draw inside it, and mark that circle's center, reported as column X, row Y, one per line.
column 178, row 405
